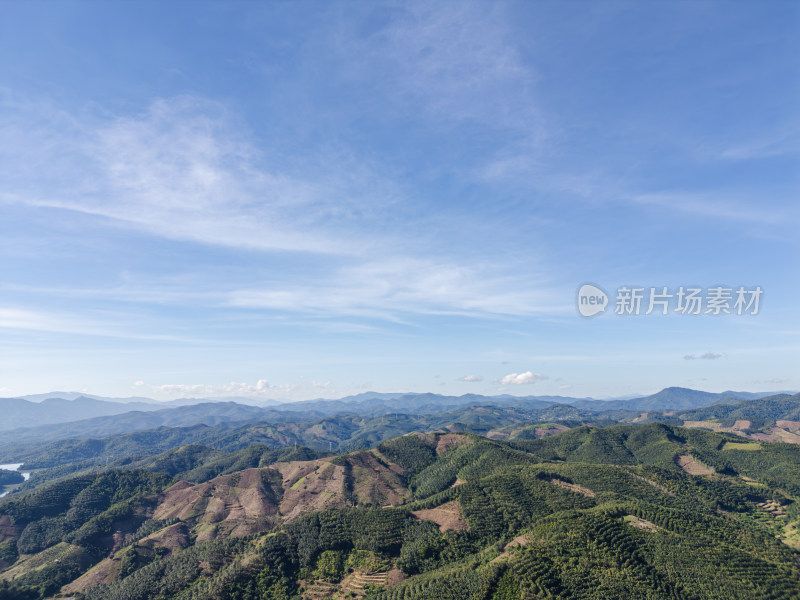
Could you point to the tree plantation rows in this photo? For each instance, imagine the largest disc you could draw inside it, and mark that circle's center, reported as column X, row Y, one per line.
column 595, row 513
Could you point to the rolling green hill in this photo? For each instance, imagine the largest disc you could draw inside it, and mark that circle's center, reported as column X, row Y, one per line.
column 341, row 432
column 648, row 511
column 773, row 408
column 56, row 418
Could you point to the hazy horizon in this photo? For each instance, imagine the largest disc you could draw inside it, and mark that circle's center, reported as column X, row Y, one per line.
column 72, row 395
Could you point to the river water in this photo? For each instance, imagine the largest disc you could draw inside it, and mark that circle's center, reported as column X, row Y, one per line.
column 13, row 467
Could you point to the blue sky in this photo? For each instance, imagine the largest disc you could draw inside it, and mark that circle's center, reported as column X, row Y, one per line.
column 313, row 199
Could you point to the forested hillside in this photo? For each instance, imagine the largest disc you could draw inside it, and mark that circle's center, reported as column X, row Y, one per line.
column 341, row 432
column 648, row 511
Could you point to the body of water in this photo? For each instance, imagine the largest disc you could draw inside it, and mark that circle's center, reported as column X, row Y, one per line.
column 13, row 467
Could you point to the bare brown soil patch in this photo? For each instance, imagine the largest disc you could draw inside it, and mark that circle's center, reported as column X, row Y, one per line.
column 174, row 537
column 572, row 487
column 374, row 483
column 311, row 485
column 354, row 585
column 693, row 467
column 318, row 589
column 635, row 521
column 640, row 418
column 8, row 531
column 206, row 532
column 448, row 516
column 787, row 436
column 394, row 576
column 387, row 461
column 119, row 539
column 451, row 440
column 458, row 482
column 229, row 499
column 255, row 500
column 521, row 540
column 741, row 424
column 776, row 434
column 106, row 571
column 359, row 582
column 789, row 425
column 542, row 432
column 773, row 508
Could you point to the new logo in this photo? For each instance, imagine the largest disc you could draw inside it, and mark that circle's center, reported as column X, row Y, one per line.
column 591, row 300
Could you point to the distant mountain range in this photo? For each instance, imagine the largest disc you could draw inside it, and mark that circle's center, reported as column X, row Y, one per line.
column 18, row 412
column 76, row 395
column 51, row 418
column 671, row 398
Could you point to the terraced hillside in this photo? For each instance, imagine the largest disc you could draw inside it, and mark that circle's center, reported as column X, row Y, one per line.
column 609, row 512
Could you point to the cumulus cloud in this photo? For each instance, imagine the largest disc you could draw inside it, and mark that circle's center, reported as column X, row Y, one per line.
column 522, row 378
column 471, row 378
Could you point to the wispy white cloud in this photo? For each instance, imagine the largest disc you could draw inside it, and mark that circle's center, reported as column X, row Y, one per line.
column 390, row 288
column 471, row 378
column 785, row 142
column 452, row 60
column 456, row 67
column 14, row 318
column 186, row 169
column 718, row 207
column 122, row 327
column 705, row 356
column 383, row 289
column 773, row 381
